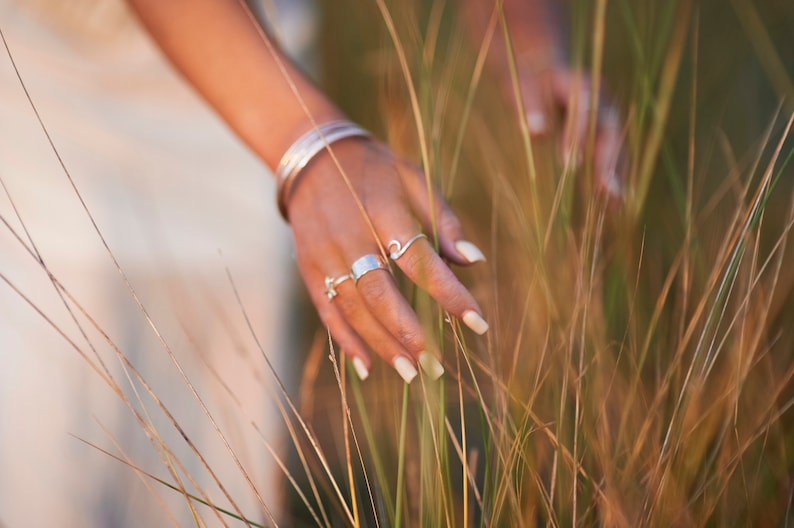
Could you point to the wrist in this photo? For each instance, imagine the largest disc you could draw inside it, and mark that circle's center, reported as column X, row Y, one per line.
column 275, row 138
column 311, row 144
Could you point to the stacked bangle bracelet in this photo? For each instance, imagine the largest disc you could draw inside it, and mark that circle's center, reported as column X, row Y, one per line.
column 300, row 153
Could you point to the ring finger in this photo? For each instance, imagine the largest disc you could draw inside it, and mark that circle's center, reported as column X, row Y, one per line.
column 358, row 314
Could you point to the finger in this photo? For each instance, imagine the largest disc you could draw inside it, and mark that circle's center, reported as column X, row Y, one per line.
column 349, row 319
column 398, row 227
column 571, row 92
column 535, row 107
column 424, row 267
column 344, row 335
column 387, row 305
column 357, row 313
column 437, row 217
column 608, row 164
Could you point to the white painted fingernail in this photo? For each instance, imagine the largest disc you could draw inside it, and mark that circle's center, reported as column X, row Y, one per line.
column 405, row 369
column 613, row 185
column 475, row 321
column 361, row 368
column 536, row 122
column 432, row 367
column 469, row 251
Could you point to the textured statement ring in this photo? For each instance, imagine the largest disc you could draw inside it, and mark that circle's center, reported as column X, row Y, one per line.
column 396, row 249
column 365, row 264
column 306, row 147
column 332, row 283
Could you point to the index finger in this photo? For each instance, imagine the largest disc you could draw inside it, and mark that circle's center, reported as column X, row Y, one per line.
column 426, row 269
column 609, row 170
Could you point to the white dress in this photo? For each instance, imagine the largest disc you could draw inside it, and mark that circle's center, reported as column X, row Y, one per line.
column 179, row 201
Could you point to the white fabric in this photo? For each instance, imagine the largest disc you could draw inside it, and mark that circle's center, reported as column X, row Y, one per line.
column 178, row 200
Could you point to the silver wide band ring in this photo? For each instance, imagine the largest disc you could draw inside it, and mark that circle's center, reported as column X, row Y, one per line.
column 396, row 249
column 365, row 264
column 331, row 283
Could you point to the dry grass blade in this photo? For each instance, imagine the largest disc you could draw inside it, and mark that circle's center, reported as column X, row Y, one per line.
column 284, row 394
column 702, row 356
column 100, row 368
column 432, row 407
column 775, row 68
column 524, row 127
column 700, row 310
column 302, row 103
column 599, row 29
column 167, row 484
column 276, row 457
column 142, row 474
column 420, row 131
column 668, row 79
column 462, row 449
column 637, row 368
column 348, row 430
column 303, row 460
column 471, row 91
column 138, row 303
column 469, row 471
column 751, row 220
column 398, row 502
column 160, row 446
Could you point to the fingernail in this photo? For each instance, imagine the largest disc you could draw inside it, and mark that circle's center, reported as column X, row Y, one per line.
column 361, row 368
column 469, row 251
column 475, row 321
column 432, row 367
column 613, row 185
column 536, row 122
column 405, row 369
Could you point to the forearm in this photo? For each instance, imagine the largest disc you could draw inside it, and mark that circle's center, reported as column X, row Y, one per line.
column 221, row 52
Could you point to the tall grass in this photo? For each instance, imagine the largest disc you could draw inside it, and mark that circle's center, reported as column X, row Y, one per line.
column 639, row 366
column 639, row 371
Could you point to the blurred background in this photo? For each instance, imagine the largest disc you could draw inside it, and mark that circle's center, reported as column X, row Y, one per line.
column 179, row 202
column 624, row 345
column 591, row 338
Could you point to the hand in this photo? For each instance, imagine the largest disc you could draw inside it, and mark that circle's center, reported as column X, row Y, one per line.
column 331, row 232
column 558, row 93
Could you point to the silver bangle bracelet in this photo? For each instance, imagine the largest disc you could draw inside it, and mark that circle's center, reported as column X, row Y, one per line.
column 301, row 152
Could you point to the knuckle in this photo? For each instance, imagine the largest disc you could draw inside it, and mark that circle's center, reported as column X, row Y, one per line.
column 416, row 263
column 457, row 299
column 325, row 313
column 452, row 295
column 448, row 222
column 373, row 288
column 347, row 304
column 350, row 344
column 410, row 338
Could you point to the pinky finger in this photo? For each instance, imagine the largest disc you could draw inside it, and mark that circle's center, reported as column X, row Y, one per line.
column 346, row 338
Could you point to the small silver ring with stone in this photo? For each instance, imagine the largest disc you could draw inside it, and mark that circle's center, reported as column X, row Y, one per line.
column 365, row 264
column 332, row 283
column 399, row 249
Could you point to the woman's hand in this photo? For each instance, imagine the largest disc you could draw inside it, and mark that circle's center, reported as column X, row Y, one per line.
column 556, row 97
column 240, row 71
column 332, row 232
column 559, row 98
